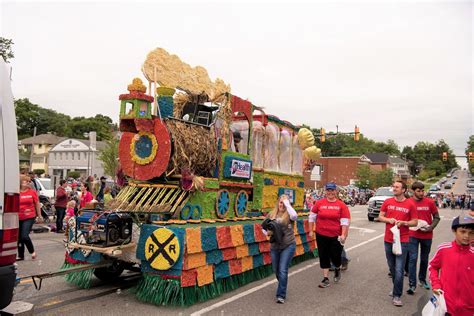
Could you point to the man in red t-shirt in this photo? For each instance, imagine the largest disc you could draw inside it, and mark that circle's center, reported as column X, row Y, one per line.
column 401, row 212
column 332, row 218
column 421, row 236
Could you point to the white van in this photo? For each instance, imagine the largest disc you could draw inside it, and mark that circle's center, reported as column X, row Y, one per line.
column 9, row 187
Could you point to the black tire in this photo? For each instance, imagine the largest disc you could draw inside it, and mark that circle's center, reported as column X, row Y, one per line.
column 371, row 219
column 111, row 272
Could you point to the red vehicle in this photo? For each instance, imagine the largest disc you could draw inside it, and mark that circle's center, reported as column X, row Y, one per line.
column 9, row 188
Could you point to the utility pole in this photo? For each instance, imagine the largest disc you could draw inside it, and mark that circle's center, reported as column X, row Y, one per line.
column 32, row 150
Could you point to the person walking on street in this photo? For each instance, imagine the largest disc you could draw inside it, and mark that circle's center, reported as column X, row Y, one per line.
column 331, row 217
column 282, row 248
column 421, row 238
column 60, row 205
column 401, row 212
column 451, row 269
column 100, row 194
column 29, row 210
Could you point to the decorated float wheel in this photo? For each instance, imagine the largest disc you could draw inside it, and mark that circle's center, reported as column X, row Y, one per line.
column 191, row 211
column 222, row 203
column 241, row 202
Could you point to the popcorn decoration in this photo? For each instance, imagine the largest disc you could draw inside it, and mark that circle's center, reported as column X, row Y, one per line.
column 169, row 71
column 312, row 153
column 305, row 138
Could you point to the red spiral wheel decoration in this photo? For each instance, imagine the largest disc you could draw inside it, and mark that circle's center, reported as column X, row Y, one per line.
column 160, row 154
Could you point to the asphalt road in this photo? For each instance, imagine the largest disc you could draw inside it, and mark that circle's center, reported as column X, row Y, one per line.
column 460, row 186
column 363, row 289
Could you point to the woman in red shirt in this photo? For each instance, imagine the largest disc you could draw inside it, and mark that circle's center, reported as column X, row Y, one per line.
column 331, row 217
column 86, row 196
column 29, row 210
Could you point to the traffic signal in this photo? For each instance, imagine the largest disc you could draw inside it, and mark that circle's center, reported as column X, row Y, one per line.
column 323, row 135
column 445, row 156
column 356, row 134
column 471, row 156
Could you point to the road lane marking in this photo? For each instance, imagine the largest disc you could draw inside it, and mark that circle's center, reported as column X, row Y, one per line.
column 261, row 286
column 363, row 230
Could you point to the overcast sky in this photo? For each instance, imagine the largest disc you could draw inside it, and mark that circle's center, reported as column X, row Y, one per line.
column 398, row 70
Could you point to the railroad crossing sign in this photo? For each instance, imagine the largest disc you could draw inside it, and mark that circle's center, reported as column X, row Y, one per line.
column 162, row 249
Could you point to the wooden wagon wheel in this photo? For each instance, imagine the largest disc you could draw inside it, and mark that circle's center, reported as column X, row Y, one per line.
column 222, row 203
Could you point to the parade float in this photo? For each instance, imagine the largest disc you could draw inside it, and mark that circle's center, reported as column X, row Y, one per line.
column 203, row 167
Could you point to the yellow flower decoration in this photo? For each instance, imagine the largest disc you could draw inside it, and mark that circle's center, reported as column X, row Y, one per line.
column 140, row 146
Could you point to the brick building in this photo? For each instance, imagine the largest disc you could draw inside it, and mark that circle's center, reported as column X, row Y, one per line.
column 341, row 170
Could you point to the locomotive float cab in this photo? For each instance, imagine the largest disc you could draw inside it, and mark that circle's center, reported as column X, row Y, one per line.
column 250, row 158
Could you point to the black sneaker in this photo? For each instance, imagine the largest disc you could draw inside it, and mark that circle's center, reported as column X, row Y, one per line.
column 337, row 275
column 324, row 283
column 411, row 290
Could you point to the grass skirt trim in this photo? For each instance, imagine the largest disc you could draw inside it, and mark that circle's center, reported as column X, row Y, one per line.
column 156, row 290
column 82, row 279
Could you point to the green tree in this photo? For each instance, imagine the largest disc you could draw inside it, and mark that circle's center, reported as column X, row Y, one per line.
column 74, row 174
column 6, row 49
column 383, row 178
column 101, row 124
column 38, row 172
column 427, row 156
column 109, row 156
column 470, row 148
column 364, row 177
column 30, row 115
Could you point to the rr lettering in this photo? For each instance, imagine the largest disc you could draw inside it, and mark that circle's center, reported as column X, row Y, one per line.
column 151, row 248
column 172, row 248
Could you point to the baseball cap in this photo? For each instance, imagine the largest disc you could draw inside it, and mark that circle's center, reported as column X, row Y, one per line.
column 330, row 186
column 463, row 220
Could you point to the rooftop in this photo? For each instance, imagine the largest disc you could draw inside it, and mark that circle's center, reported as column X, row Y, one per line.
column 44, row 139
column 378, row 158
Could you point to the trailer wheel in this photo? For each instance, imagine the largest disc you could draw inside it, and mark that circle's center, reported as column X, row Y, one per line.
column 111, row 272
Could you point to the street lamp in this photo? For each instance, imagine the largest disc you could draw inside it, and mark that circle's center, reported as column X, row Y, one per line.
column 86, row 135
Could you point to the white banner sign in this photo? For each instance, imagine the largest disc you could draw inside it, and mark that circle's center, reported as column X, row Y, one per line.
column 240, row 169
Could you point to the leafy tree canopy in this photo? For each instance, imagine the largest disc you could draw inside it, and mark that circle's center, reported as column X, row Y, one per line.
column 6, row 49
column 29, row 115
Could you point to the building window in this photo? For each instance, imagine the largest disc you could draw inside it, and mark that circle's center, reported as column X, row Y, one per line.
column 55, row 156
column 72, row 155
column 61, row 156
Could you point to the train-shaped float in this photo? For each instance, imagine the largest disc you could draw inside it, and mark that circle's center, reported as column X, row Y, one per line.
column 204, row 167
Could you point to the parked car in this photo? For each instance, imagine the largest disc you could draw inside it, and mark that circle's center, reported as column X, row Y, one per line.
column 9, row 188
column 434, row 188
column 470, row 183
column 44, row 186
column 375, row 202
column 448, row 185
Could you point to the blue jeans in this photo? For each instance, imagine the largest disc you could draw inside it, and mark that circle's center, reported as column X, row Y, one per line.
column 280, row 262
column 396, row 265
column 425, row 248
column 24, row 237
